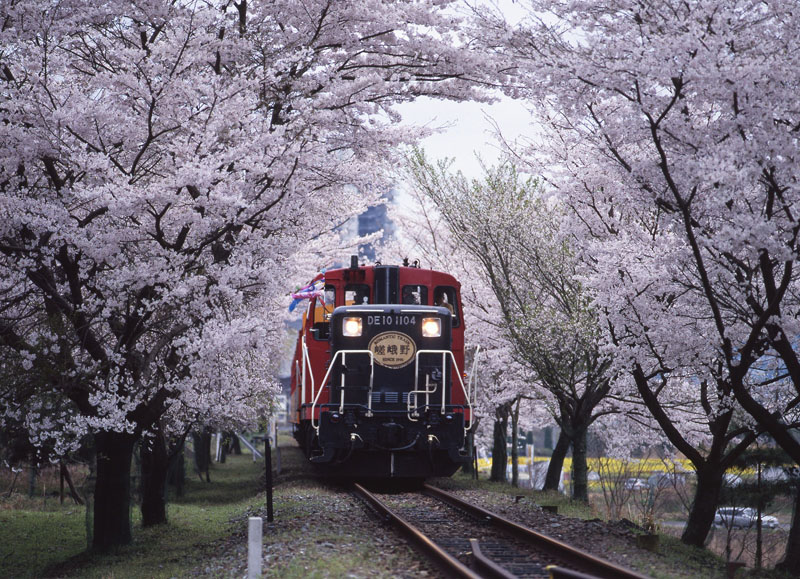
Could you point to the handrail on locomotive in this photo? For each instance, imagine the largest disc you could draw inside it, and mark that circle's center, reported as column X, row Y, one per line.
column 413, row 408
column 413, row 412
column 327, row 375
column 306, row 364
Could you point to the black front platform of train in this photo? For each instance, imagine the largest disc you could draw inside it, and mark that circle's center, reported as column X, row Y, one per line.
column 384, row 446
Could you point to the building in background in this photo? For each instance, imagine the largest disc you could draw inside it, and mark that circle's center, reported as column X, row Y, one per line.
column 373, row 220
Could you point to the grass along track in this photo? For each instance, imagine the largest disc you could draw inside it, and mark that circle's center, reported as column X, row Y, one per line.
column 50, row 540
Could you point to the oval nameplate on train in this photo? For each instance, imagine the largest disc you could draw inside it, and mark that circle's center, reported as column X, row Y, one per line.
column 392, row 349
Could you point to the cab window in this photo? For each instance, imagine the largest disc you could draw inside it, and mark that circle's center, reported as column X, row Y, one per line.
column 356, row 294
column 445, row 297
column 323, row 308
column 330, row 299
column 415, row 295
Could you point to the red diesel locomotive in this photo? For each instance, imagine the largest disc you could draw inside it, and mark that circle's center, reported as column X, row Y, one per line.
column 377, row 386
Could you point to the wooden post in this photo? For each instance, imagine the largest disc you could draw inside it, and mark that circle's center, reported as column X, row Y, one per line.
column 268, row 476
column 277, row 451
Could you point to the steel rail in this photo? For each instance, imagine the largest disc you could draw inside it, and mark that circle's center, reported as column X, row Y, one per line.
column 432, row 550
column 587, row 562
column 486, row 565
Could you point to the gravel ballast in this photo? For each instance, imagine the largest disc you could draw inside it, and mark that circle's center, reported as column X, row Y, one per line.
column 321, row 530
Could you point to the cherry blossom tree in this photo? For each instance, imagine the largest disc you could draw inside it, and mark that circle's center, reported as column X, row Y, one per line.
column 699, row 419
column 160, row 164
column 514, row 237
column 671, row 131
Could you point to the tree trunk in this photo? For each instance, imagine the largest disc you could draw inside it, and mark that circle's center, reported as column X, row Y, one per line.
column 706, row 499
column 66, row 476
column 112, row 515
column 202, row 452
column 177, row 470
column 223, row 444
column 499, row 448
column 791, row 560
column 155, row 466
column 32, row 480
column 580, row 469
column 553, row 477
column 236, row 447
column 469, row 466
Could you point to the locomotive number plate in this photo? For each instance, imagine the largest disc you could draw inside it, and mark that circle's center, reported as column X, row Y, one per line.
column 392, row 349
column 391, row 320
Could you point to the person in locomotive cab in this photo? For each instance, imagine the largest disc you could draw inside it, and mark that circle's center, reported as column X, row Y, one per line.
column 441, row 300
column 411, row 297
column 356, row 294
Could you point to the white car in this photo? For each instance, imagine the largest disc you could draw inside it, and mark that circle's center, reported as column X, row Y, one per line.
column 742, row 517
column 633, row 484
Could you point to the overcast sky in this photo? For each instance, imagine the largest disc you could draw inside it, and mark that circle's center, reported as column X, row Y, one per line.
column 467, row 129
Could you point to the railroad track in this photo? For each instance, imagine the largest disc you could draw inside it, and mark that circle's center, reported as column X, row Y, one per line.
column 468, row 541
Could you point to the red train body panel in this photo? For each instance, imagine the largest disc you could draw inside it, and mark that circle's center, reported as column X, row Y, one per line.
column 377, row 386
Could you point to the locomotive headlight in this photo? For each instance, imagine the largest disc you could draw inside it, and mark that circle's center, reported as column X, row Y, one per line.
column 431, row 327
column 351, row 327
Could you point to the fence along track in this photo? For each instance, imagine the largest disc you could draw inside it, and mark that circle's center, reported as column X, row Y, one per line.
column 527, row 554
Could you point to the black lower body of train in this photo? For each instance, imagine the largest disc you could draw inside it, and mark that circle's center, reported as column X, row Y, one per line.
column 386, row 444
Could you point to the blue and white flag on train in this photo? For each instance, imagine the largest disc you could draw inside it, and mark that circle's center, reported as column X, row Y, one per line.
column 312, row 290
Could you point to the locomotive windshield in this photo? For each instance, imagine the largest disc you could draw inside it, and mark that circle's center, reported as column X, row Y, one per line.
column 356, row 294
column 415, row 295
